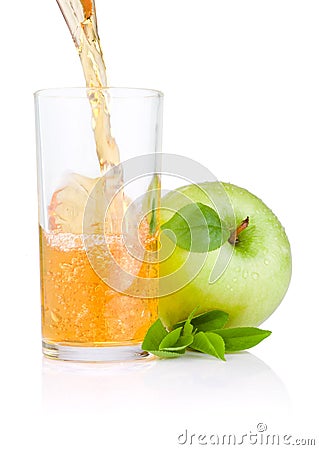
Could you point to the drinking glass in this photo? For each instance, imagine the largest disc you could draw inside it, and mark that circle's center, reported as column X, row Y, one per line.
column 98, row 228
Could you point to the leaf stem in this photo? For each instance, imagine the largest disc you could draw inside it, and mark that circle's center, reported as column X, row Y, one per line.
column 233, row 240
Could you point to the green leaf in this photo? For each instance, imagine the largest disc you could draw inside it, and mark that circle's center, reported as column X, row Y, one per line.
column 182, row 343
column 192, row 314
column 167, row 354
column 187, row 326
column 197, row 228
column 164, row 344
column 187, row 329
column 208, row 321
column 211, row 320
column 242, row 338
column 154, row 336
column 170, row 339
column 209, row 343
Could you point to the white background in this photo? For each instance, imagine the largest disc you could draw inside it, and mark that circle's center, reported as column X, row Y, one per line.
column 240, row 80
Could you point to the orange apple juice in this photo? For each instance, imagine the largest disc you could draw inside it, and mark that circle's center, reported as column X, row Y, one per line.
column 78, row 307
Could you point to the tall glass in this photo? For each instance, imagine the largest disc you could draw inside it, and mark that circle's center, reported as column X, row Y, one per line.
column 98, row 229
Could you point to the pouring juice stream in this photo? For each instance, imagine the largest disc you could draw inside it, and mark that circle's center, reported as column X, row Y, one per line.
column 80, row 16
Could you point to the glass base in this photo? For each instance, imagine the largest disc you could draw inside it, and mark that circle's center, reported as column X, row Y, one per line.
column 120, row 353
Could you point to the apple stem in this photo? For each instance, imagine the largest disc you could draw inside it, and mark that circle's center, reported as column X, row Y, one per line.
column 234, row 236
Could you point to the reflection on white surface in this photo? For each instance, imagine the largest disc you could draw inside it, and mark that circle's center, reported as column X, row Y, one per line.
column 243, row 383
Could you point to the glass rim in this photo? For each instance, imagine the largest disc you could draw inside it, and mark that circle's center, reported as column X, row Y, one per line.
column 81, row 92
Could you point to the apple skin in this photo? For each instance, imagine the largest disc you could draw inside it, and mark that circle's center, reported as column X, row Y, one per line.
column 259, row 270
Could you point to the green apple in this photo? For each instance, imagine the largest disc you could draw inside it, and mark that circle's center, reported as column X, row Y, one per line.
column 255, row 276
